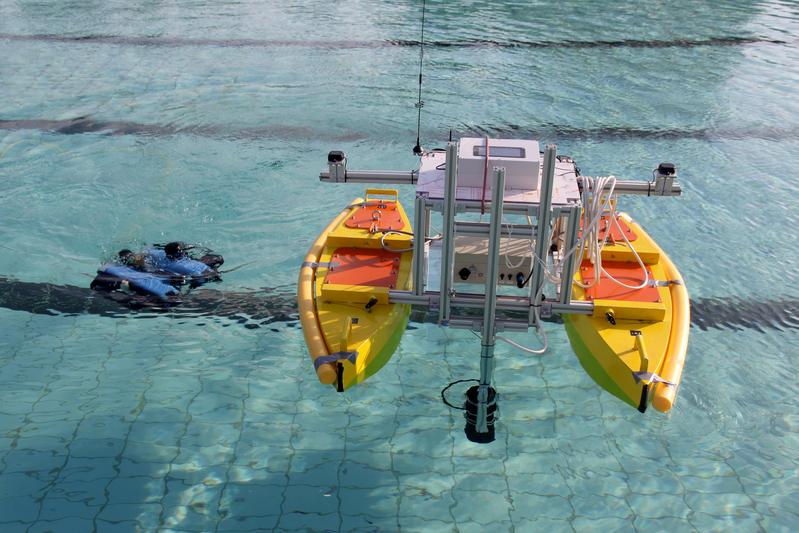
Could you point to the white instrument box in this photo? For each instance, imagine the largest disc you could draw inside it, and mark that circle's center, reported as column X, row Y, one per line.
column 519, row 157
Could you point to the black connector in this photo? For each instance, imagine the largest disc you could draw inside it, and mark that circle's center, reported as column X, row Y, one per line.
column 336, row 156
column 667, row 169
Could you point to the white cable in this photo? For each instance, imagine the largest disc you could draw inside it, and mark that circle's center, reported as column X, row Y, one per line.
column 402, row 250
column 523, row 348
column 388, row 248
column 595, row 205
column 589, row 219
column 505, row 255
column 637, row 258
column 549, row 275
column 541, row 331
column 593, row 209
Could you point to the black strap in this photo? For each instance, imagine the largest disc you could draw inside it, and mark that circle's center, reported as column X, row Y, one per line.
column 644, row 395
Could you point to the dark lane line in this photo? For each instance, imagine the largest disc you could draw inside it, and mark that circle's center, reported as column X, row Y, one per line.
column 559, row 131
column 255, row 309
column 87, row 125
column 84, row 125
column 352, row 44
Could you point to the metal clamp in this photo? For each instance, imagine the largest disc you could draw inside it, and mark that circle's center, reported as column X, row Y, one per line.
column 322, row 264
column 335, row 358
column 651, row 377
column 664, row 283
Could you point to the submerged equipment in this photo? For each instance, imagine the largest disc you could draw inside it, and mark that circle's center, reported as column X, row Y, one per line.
column 159, row 270
column 470, row 407
column 470, row 411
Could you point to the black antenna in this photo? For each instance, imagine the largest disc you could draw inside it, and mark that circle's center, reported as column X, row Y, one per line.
column 418, row 150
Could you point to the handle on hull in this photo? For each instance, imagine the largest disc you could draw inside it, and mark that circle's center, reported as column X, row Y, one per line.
column 382, row 192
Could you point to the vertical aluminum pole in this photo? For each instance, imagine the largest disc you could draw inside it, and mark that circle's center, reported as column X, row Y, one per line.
column 419, row 239
column 570, row 240
column 490, row 308
column 543, row 222
column 448, row 231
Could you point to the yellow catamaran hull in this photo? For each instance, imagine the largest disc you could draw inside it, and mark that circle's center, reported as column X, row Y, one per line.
column 350, row 327
column 634, row 345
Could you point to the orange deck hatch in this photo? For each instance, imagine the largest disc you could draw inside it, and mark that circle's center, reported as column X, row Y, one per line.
column 362, row 266
column 628, row 273
column 376, row 215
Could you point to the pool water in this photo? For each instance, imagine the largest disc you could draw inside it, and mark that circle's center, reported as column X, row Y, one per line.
column 208, row 122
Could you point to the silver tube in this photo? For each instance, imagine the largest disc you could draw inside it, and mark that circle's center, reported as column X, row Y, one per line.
column 475, row 206
column 448, row 232
column 427, row 215
column 567, row 273
column 406, row 177
column 544, row 214
column 466, row 300
column 486, row 369
column 419, row 239
column 504, row 303
column 514, row 208
column 492, row 266
column 477, row 301
column 473, row 323
column 519, row 326
column 482, row 229
column 574, row 308
column 408, row 297
column 490, row 309
column 639, row 187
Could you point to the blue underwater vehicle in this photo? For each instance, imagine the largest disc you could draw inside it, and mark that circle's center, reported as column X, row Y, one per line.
column 159, row 271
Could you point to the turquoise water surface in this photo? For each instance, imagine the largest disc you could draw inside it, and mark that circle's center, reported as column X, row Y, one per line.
column 123, row 123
